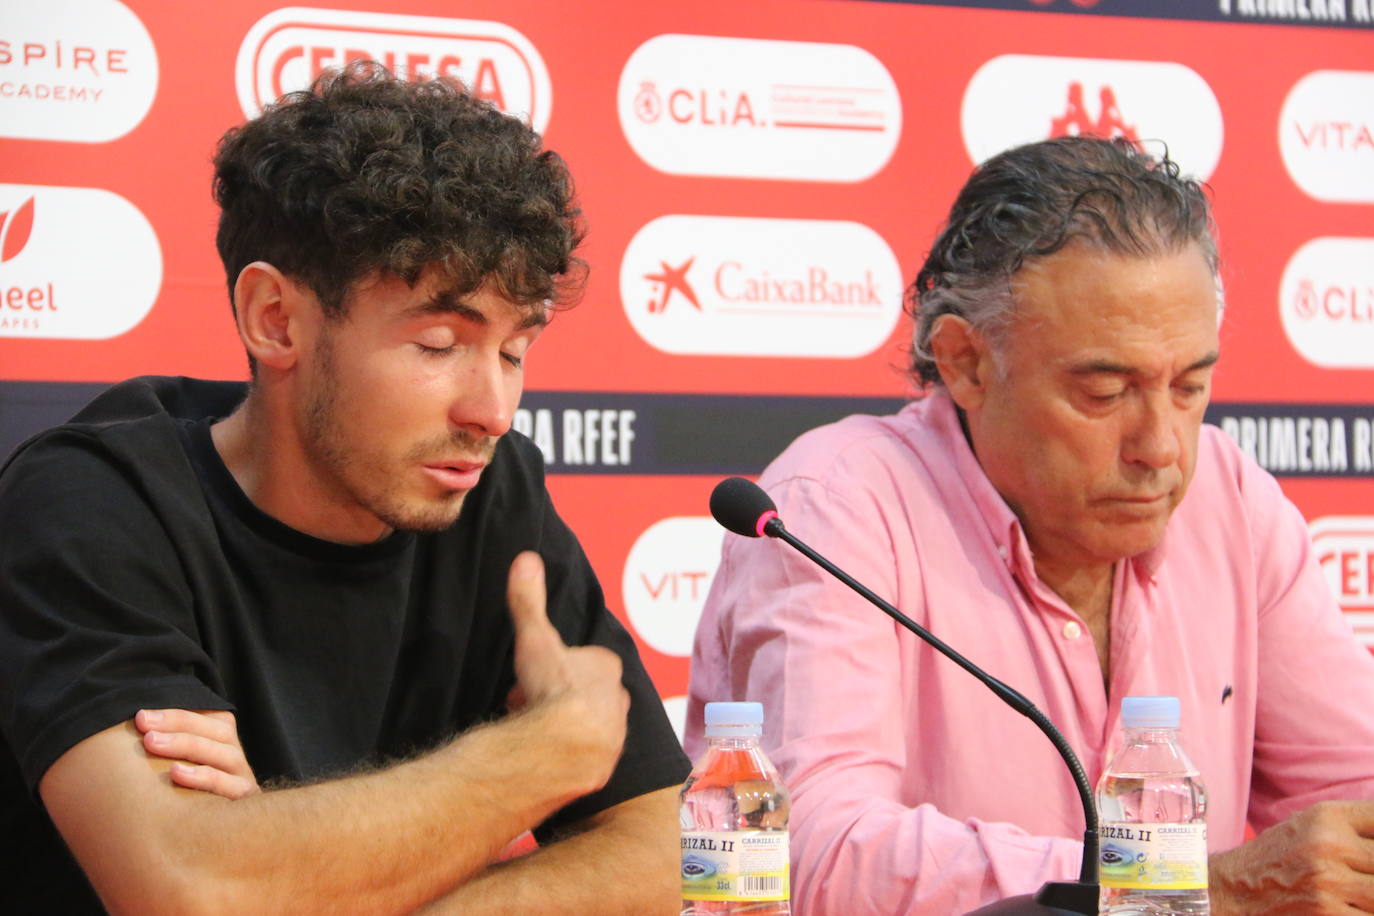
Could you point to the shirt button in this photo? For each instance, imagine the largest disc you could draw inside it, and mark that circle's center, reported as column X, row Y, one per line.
column 1002, row 551
column 1072, row 630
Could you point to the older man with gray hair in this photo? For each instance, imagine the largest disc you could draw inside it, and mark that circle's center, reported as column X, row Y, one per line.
column 1055, row 507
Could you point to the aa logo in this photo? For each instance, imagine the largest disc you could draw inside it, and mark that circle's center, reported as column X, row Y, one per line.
column 1075, row 121
column 15, row 229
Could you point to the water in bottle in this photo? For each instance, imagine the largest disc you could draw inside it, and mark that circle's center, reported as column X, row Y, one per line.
column 733, row 815
column 1152, row 808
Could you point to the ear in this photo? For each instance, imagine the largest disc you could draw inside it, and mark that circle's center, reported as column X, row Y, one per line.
column 271, row 309
column 963, row 358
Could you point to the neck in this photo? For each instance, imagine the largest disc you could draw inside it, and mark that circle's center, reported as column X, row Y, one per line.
column 265, row 453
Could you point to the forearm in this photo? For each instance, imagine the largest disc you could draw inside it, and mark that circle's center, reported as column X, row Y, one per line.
column 384, row 841
column 624, row 862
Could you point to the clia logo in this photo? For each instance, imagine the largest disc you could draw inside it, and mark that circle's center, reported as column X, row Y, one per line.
column 672, row 280
column 1326, row 135
column 288, row 48
column 41, row 295
column 745, row 286
column 1018, row 98
column 757, row 108
column 1326, row 302
column 15, row 229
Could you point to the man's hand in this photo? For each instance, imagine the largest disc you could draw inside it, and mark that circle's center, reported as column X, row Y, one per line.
column 204, row 749
column 1319, row 861
column 579, row 687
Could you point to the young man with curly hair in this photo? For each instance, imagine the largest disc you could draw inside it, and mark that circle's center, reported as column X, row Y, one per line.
column 320, row 642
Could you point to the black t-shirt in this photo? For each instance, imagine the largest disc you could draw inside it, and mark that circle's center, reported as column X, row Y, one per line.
column 134, row 573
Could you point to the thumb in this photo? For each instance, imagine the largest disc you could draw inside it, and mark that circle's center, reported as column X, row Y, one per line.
column 527, row 599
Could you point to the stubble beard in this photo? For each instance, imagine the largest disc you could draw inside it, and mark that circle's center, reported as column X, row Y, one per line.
column 366, row 479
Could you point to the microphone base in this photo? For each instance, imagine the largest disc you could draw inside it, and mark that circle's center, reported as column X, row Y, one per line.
column 1055, row 898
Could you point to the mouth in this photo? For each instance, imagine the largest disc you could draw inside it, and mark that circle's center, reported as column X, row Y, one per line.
column 455, row 475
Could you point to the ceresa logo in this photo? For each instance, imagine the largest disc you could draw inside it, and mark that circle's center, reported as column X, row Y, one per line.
column 74, row 262
column 754, row 108
column 741, row 286
column 667, row 574
column 286, row 49
column 1017, row 98
column 1345, row 550
column 83, row 71
column 1326, row 135
column 1326, row 302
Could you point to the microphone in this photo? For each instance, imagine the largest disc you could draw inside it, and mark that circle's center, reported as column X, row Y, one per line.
column 741, row 506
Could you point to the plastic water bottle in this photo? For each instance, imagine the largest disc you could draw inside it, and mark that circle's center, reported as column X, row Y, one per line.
column 733, row 814
column 1152, row 808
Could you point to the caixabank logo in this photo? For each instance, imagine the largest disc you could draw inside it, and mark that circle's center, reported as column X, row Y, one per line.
column 1326, row 302
column 1344, row 547
column 76, row 263
column 755, row 108
column 81, row 71
column 1326, row 135
column 288, row 48
column 1018, row 98
column 745, row 286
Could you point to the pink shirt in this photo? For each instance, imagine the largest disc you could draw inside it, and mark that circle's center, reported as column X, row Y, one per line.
column 914, row 788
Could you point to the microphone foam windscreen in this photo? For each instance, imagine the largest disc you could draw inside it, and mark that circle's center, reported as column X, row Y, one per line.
column 738, row 504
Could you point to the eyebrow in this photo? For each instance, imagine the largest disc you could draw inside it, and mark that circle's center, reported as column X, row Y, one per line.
column 446, row 302
column 1107, row 367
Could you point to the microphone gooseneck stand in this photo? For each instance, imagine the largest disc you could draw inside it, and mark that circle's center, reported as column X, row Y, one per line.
column 742, row 507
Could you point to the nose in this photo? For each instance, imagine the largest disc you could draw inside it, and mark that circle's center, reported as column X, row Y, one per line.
column 1155, row 435
column 486, row 397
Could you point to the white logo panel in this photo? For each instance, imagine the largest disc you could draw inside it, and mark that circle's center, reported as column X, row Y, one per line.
column 79, row 263
column 82, row 71
column 667, row 574
column 744, row 286
column 1326, row 302
column 1018, row 98
column 286, row 49
column 756, row 108
column 1326, row 135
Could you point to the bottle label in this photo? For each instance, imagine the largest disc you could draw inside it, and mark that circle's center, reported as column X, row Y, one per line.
column 734, row 865
column 1154, row 856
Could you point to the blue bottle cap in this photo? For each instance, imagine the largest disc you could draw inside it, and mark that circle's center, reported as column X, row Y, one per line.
column 1150, row 712
column 725, row 719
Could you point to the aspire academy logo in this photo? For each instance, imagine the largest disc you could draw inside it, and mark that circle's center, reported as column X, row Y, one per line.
column 744, row 286
column 1326, row 135
column 756, row 108
column 82, row 71
column 288, row 48
column 44, row 231
column 1018, row 98
column 1326, row 302
column 1344, row 546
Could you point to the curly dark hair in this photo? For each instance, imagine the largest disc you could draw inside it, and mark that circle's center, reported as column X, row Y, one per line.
column 1031, row 201
column 365, row 172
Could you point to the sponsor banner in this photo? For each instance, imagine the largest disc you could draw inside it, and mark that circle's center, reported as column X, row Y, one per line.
column 1344, row 547
column 286, row 49
column 1302, row 440
column 744, row 286
column 756, row 108
column 1326, row 135
column 1331, row 13
column 81, row 71
column 44, row 230
column 667, row 575
column 1021, row 98
column 1326, row 302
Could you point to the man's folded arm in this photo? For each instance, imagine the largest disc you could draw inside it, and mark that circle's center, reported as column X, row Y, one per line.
column 383, row 841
